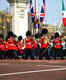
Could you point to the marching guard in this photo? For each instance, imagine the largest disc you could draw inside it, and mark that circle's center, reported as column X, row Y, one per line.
column 28, row 46
column 12, row 48
column 2, row 47
column 36, row 46
column 20, row 47
column 44, row 41
column 58, row 47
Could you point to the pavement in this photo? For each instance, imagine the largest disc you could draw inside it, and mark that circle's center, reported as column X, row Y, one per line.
column 32, row 69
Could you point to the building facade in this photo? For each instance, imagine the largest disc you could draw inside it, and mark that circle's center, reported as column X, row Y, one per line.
column 5, row 23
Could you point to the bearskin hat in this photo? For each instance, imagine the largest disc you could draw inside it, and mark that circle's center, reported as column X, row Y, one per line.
column 28, row 33
column 44, row 31
column 37, row 35
column 56, row 35
column 20, row 38
column 10, row 34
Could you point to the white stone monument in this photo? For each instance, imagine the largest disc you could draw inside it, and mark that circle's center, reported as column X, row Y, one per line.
column 19, row 12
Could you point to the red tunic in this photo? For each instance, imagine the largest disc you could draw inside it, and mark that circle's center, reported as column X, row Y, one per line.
column 6, row 46
column 57, row 43
column 14, row 41
column 2, row 47
column 44, row 43
column 11, row 45
column 34, row 44
column 20, row 46
column 28, row 44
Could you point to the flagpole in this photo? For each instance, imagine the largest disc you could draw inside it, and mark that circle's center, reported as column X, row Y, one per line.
column 35, row 9
column 38, row 15
column 36, row 30
column 63, row 8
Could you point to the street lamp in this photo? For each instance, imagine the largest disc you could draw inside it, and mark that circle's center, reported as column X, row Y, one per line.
column 3, row 27
column 8, row 20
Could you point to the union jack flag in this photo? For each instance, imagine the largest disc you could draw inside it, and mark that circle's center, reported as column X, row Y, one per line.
column 31, row 9
column 42, row 14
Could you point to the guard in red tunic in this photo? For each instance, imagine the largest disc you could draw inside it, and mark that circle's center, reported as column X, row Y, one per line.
column 28, row 46
column 63, row 47
column 36, row 46
column 6, row 49
column 44, row 41
column 20, row 47
column 2, row 47
column 57, row 45
column 12, row 48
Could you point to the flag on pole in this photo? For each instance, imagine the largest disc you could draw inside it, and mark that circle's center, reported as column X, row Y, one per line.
column 63, row 7
column 63, row 13
column 42, row 14
column 31, row 4
column 44, row 5
column 59, row 28
column 32, row 11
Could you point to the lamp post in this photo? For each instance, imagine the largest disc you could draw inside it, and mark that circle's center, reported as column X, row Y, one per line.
column 8, row 22
column 1, row 21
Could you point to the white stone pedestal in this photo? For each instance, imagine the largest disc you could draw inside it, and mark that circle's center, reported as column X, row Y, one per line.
column 19, row 17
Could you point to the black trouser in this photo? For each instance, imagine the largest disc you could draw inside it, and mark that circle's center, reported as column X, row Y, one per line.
column 64, row 52
column 44, row 53
column 12, row 54
column 20, row 55
column 36, row 52
column 58, row 53
column 51, row 51
column 28, row 53
column 2, row 54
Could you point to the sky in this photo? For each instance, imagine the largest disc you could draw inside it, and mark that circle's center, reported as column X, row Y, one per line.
column 53, row 10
